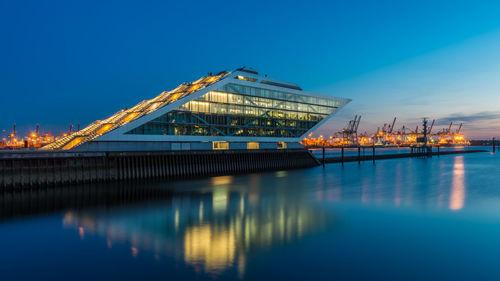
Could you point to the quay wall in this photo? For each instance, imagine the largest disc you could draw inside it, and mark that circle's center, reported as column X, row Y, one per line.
column 37, row 169
column 399, row 155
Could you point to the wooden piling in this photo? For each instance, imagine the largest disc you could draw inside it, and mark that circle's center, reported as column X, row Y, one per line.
column 373, row 153
column 342, row 155
column 323, row 155
column 359, row 155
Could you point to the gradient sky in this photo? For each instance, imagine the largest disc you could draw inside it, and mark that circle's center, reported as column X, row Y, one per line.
column 65, row 62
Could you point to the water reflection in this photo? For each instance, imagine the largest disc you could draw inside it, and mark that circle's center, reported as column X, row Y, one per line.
column 230, row 226
column 214, row 229
column 21, row 203
column 457, row 196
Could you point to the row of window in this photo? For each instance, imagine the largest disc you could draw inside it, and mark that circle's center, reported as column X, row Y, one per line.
column 259, row 92
column 203, row 130
column 224, row 145
column 228, row 98
column 185, row 117
column 225, row 109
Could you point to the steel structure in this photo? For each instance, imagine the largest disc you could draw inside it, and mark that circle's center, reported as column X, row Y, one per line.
column 350, row 133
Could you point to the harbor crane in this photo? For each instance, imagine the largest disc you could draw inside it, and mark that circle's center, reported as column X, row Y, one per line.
column 350, row 133
column 388, row 135
column 430, row 128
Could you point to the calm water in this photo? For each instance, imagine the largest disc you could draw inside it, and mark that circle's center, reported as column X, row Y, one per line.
column 402, row 219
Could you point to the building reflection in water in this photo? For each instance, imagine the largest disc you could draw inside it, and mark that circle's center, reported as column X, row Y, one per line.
column 457, row 197
column 213, row 230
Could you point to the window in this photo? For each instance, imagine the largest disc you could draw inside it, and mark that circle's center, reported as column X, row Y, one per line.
column 220, row 145
column 282, row 85
column 252, row 145
column 246, row 78
column 281, row 145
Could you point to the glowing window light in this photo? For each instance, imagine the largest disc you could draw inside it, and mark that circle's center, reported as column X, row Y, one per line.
column 154, row 106
column 73, row 143
column 220, row 145
column 130, row 117
column 282, row 145
column 104, row 129
column 174, row 97
column 194, row 87
column 204, row 103
column 252, row 145
column 239, row 77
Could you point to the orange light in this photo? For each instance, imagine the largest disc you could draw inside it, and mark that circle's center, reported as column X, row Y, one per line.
column 154, row 106
column 73, row 143
column 104, row 129
column 130, row 117
column 174, row 97
column 194, row 87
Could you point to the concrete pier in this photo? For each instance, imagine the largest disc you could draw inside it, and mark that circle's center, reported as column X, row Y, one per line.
column 374, row 157
column 36, row 169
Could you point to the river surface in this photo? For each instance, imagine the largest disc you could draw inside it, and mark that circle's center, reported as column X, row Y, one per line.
column 402, row 219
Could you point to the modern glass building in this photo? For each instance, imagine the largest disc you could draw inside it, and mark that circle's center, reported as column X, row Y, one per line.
column 236, row 110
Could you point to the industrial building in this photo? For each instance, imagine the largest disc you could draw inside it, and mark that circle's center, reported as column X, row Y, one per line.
column 230, row 110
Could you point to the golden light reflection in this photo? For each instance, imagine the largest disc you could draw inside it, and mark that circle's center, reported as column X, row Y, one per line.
column 210, row 241
column 457, row 197
column 281, row 174
column 241, row 265
column 242, row 205
column 220, row 199
column 134, row 251
column 223, row 180
column 215, row 249
column 81, row 232
column 176, row 219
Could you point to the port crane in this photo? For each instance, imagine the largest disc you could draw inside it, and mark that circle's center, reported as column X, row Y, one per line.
column 388, row 135
column 350, row 133
column 385, row 135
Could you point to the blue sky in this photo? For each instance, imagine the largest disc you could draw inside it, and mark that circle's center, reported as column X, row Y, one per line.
column 74, row 62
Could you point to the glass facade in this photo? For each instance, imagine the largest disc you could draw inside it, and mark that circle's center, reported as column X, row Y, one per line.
column 238, row 110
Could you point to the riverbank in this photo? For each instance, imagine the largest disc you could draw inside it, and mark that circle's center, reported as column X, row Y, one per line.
column 39, row 169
